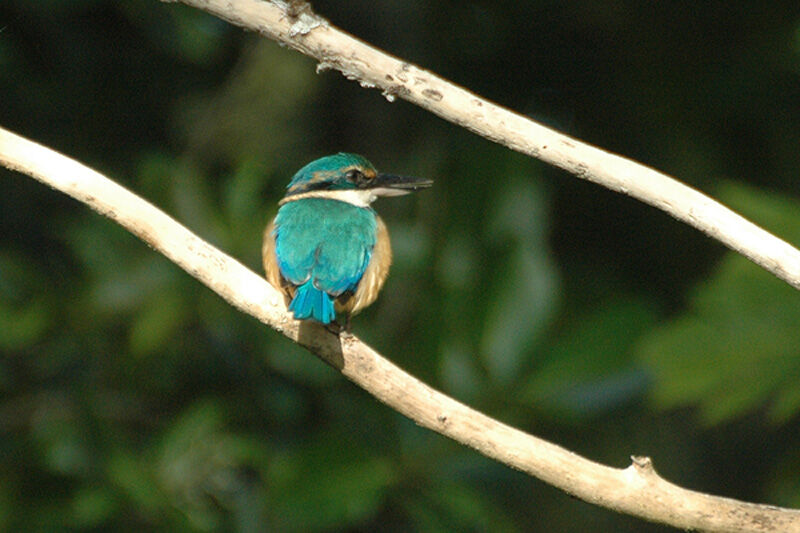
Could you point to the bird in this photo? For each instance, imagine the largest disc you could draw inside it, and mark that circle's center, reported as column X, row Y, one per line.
column 326, row 249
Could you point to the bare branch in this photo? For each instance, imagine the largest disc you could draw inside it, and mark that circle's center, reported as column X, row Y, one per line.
column 635, row 490
column 312, row 35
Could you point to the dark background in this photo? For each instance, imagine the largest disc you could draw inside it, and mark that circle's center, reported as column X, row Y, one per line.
column 133, row 398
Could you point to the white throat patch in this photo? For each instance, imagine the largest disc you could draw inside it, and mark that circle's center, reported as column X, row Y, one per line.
column 358, row 197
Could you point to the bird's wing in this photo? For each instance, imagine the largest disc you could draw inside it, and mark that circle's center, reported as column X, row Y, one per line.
column 270, row 259
column 333, row 250
column 375, row 273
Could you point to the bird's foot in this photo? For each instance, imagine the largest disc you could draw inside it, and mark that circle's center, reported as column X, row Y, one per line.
column 339, row 329
column 335, row 328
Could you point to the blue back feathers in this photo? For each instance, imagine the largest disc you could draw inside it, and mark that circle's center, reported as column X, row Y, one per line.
column 323, row 248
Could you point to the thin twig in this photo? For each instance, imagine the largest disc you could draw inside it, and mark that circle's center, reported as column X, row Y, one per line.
column 635, row 490
column 336, row 49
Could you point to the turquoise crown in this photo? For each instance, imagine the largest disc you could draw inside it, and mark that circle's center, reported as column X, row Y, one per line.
column 329, row 173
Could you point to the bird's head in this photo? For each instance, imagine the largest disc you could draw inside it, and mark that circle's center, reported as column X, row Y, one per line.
column 351, row 178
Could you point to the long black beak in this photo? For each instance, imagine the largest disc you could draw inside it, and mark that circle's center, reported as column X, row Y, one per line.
column 393, row 185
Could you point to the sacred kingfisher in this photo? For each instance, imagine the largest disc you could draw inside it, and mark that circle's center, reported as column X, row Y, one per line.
column 327, row 250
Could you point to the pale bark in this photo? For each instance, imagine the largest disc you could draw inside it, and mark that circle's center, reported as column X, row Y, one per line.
column 295, row 25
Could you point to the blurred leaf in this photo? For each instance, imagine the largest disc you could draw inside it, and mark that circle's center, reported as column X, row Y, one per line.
column 153, row 169
column 256, row 113
column 91, row 507
column 457, row 266
column 327, row 487
column 24, row 312
column 735, row 349
column 241, row 195
column 518, row 313
column 786, row 405
column 294, row 362
column 202, row 465
column 525, row 290
column 244, row 209
column 135, row 285
column 61, row 435
column 521, row 211
column 457, row 507
column 590, row 367
column 102, row 248
column 21, row 327
column 135, row 478
column 189, row 34
column 459, row 372
column 411, row 247
column 157, row 323
column 196, row 204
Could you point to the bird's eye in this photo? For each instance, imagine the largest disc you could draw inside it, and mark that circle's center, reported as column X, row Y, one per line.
column 354, row 175
column 358, row 177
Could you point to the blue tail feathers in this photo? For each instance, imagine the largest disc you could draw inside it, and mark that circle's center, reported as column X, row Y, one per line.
column 310, row 302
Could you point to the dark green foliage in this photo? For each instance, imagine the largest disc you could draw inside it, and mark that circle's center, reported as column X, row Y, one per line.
column 133, row 399
column 741, row 320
